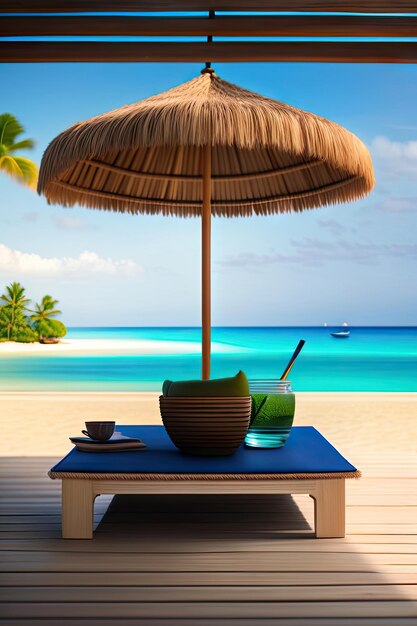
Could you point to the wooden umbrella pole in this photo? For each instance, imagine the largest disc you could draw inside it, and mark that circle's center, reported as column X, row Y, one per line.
column 206, row 261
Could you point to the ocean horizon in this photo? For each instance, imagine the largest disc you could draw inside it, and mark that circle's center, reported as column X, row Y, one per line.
column 377, row 358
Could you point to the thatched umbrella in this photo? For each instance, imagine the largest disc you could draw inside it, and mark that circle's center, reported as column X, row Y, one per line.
column 206, row 148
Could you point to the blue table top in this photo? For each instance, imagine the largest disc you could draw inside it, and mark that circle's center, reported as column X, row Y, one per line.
column 306, row 451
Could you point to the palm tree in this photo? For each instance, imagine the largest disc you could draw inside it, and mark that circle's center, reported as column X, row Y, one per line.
column 6, row 325
column 15, row 302
column 20, row 168
column 42, row 321
column 45, row 310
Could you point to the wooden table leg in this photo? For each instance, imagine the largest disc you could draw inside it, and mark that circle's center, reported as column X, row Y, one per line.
column 77, row 509
column 329, row 507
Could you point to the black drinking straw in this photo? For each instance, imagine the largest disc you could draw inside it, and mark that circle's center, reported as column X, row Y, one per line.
column 292, row 359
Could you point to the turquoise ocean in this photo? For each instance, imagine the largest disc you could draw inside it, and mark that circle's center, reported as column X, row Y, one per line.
column 372, row 359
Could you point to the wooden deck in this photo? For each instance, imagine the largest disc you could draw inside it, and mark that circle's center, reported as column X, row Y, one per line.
column 210, row 560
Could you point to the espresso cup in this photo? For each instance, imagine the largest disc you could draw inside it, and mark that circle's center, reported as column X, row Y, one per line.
column 99, row 430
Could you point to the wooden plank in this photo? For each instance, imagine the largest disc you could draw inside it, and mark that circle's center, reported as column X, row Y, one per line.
column 102, row 6
column 371, row 543
column 38, row 478
column 40, row 519
column 208, row 543
column 29, row 458
column 35, row 494
column 381, row 529
column 208, row 487
column 182, row 527
column 375, row 514
column 255, row 579
column 39, row 465
column 223, row 26
column 136, row 52
column 154, row 545
column 296, row 526
column 198, row 593
column 50, row 533
column 376, row 486
column 278, row 530
column 32, row 561
column 394, row 473
column 382, row 499
column 276, row 621
column 221, row 610
column 18, row 492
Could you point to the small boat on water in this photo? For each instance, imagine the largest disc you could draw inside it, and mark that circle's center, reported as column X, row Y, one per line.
column 341, row 334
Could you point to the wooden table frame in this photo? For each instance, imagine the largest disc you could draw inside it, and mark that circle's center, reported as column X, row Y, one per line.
column 78, row 495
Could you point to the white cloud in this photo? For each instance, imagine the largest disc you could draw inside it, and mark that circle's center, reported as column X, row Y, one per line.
column 316, row 253
column 399, row 205
column 16, row 262
column 395, row 158
column 66, row 222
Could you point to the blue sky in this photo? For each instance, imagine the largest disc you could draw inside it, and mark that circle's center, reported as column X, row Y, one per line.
column 354, row 262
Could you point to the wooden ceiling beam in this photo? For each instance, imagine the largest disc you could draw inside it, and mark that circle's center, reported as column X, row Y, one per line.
column 109, row 52
column 192, row 179
column 226, row 26
column 100, row 6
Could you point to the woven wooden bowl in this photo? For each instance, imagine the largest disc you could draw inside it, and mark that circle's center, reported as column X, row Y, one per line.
column 206, row 426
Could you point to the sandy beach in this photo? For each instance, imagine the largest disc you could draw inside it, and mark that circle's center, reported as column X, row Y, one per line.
column 39, row 424
column 95, row 347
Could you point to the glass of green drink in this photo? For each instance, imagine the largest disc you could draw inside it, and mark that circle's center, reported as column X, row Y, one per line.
column 273, row 405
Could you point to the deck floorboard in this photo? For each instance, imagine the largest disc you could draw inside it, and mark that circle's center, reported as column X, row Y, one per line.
column 241, row 560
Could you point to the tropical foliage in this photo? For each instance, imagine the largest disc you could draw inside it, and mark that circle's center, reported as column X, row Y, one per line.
column 19, row 323
column 45, row 310
column 20, row 168
column 43, row 322
column 14, row 326
column 49, row 329
column 12, row 313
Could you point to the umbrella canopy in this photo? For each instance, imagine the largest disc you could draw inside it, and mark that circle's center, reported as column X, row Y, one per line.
column 206, row 147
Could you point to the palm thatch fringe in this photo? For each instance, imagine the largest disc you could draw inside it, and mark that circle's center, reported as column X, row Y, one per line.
column 349, row 189
column 261, row 148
